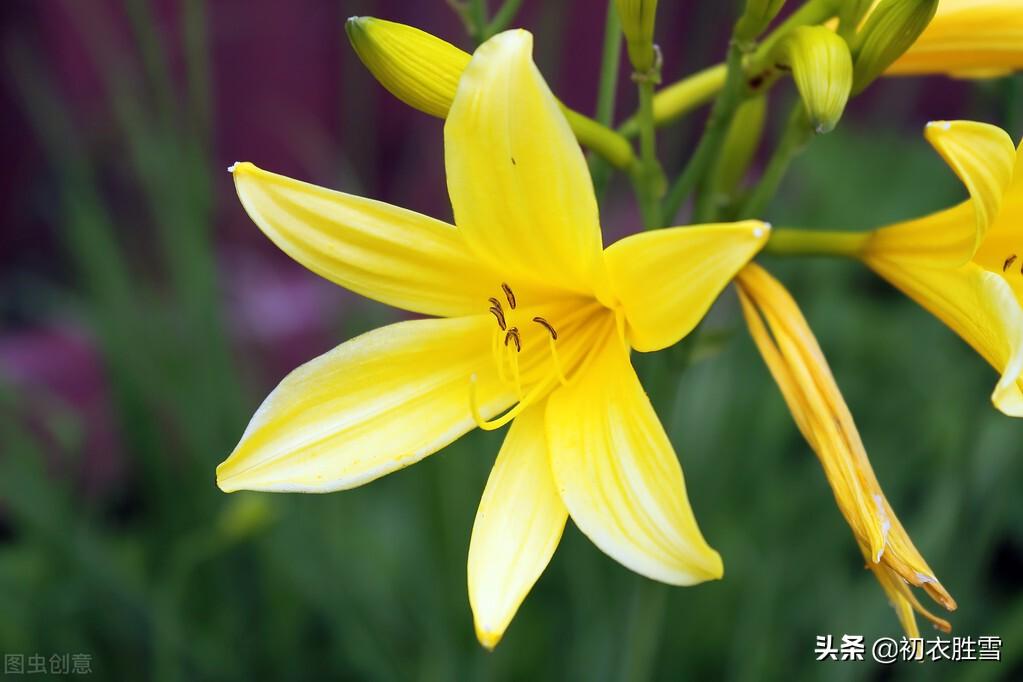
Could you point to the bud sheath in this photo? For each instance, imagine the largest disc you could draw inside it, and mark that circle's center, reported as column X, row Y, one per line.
column 890, row 30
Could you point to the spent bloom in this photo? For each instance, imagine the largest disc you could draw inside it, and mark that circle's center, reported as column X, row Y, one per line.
column 801, row 371
column 965, row 264
column 532, row 323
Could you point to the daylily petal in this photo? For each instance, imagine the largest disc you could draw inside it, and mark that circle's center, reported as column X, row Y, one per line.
column 983, row 157
column 980, row 307
column 374, row 404
column 381, row 251
column 1002, row 250
column 518, row 527
column 618, row 474
column 519, row 185
column 967, row 38
column 661, row 308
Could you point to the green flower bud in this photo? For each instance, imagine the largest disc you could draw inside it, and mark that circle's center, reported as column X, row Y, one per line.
column 823, row 71
column 419, row 69
column 637, row 17
column 758, row 14
column 741, row 143
column 890, row 30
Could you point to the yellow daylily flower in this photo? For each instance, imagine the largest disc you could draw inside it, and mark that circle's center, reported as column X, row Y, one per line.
column 797, row 364
column 965, row 264
column 967, row 38
column 534, row 325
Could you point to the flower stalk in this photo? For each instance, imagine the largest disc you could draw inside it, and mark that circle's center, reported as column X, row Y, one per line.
column 793, row 242
column 798, row 133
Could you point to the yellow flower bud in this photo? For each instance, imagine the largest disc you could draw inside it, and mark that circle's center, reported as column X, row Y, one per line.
column 418, row 68
column 758, row 14
column 890, row 30
column 823, row 71
column 637, row 17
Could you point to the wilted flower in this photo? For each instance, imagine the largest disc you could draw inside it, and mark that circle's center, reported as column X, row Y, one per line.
column 798, row 366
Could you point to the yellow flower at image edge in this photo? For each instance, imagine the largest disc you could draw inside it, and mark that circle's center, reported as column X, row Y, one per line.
column 534, row 323
column 965, row 264
column 967, row 38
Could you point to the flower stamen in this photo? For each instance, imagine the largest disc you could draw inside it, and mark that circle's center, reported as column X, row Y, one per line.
column 547, row 325
column 1008, row 262
column 499, row 355
column 513, row 335
column 509, row 294
column 516, row 410
column 499, row 314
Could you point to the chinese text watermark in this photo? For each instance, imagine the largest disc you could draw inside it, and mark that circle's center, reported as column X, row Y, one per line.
column 53, row 664
column 890, row 650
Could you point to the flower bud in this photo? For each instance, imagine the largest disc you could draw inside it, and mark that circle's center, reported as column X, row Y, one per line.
column 740, row 145
column 758, row 14
column 823, row 71
column 890, row 30
column 637, row 17
column 418, row 68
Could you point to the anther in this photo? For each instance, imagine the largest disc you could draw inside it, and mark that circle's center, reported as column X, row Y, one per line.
column 499, row 314
column 546, row 325
column 509, row 294
column 513, row 335
column 1008, row 262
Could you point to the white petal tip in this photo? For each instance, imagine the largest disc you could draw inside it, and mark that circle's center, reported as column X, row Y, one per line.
column 230, row 169
column 940, row 125
column 761, row 229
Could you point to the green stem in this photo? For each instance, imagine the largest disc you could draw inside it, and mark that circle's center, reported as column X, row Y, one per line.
column 792, row 242
column 478, row 15
column 600, row 170
column 713, row 134
column 648, row 179
column 609, row 60
column 647, row 137
column 681, row 97
column 798, row 133
column 502, row 18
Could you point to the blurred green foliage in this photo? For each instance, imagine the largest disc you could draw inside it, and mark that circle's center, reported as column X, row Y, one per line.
column 174, row 580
